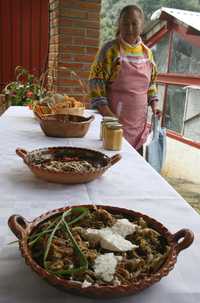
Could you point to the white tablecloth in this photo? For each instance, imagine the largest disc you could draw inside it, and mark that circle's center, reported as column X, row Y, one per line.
column 130, row 183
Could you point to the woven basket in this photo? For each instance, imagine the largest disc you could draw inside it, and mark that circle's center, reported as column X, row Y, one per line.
column 77, row 111
column 40, row 110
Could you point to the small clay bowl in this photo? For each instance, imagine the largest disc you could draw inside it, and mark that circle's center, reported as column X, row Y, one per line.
column 64, row 126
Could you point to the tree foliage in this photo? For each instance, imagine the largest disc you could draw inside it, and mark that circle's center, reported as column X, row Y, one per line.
column 109, row 15
column 111, row 8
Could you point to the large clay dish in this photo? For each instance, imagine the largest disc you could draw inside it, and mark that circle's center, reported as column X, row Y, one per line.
column 69, row 177
column 177, row 242
column 64, row 126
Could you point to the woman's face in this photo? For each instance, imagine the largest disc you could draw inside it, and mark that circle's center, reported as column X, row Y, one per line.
column 131, row 26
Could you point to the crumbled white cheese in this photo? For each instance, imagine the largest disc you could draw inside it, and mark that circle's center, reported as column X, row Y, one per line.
column 116, row 281
column 110, row 240
column 123, row 227
column 86, row 284
column 105, row 266
column 114, row 242
column 93, row 234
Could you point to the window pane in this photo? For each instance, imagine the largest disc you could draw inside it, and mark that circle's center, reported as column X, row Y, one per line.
column 160, row 52
column 176, row 96
column 192, row 117
column 185, row 56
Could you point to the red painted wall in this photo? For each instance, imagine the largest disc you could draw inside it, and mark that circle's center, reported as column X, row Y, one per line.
column 23, row 37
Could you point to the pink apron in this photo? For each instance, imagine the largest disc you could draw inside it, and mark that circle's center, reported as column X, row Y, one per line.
column 127, row 97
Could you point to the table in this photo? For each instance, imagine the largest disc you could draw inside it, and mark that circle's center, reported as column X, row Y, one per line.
column 130, row 183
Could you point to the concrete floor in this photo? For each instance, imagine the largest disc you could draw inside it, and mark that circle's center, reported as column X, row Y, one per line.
column 188, row 190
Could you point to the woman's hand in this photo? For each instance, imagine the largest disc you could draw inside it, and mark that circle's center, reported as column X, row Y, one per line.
column 105, row 110
column 155, row 110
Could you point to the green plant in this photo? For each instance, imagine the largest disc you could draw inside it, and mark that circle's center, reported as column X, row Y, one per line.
column 25, row 89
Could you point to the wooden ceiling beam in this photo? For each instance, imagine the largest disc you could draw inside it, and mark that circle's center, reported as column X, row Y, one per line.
column 178, row 79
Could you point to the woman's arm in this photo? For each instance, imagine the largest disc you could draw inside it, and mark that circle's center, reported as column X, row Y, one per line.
column 100, row 73
column 105, row 110
column 152, row 91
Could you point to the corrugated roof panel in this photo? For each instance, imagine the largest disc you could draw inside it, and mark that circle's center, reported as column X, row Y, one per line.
column 188, row 17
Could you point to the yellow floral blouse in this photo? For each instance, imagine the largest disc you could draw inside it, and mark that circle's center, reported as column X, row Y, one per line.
column 106, row 66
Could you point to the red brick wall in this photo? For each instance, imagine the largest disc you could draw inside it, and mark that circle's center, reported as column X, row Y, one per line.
column 74, row 40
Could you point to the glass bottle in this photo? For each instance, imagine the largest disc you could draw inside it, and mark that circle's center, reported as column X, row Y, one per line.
column 105, row 120
column 113, row 135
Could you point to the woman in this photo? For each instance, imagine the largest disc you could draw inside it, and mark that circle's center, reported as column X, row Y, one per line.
column 122, row 78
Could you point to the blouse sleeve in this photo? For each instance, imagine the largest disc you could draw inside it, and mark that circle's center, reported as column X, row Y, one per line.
column 152, row 91
column 100, row 74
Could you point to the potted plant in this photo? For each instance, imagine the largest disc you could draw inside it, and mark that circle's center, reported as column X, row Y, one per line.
column 26, row 89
